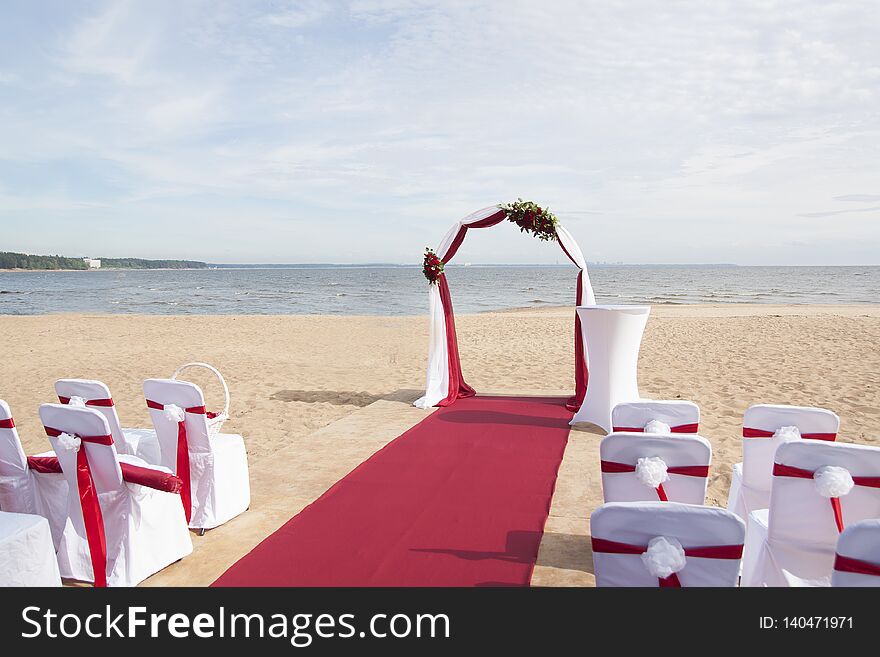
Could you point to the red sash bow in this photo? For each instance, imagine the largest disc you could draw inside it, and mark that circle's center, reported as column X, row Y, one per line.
column 183, row 454
column 8, row 423
column 91, row 508
column 89, row 402
column 748, row 432
column 686, row 470
column 780, row 470
column 679, row 428
column 708, row 552
column 849, row 565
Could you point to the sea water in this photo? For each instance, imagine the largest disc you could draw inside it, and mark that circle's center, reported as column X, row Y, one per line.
column 390, row 290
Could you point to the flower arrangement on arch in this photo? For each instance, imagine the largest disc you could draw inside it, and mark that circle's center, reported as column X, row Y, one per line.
column 532, row 218
column 433, row 266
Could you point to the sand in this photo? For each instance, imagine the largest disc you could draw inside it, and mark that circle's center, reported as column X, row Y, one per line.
column 292, row 375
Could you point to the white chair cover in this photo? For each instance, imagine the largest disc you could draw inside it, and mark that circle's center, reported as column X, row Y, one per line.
column 24, row 491
column 694, row 527
column 27, row 554
column 793, row 542
column 858, row 555
column 681, row 416
column 687, row 458
column 145, row 529
column 751, row 480
column 17, row 489
column 138, row 442
column 219, row 481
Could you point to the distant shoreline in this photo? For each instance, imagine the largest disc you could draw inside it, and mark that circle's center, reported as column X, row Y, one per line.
column 93, row 271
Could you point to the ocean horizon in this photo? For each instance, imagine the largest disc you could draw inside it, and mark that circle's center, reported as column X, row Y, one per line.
column 401, row 289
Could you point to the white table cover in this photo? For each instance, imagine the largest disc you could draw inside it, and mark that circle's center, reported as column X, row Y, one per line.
column 27, row 553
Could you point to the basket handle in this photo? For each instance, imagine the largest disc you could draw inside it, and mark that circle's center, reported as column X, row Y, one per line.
column 212, row 369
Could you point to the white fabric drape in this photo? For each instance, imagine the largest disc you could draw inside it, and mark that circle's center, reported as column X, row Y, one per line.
column 588, row 298
column 437, row 383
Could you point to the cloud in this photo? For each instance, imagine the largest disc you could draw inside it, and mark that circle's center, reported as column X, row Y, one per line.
column 296, row 14
column 682, row 129
column 858, row 198
column 838, row 212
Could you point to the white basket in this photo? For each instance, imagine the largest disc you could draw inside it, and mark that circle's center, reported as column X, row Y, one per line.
column 215, row 421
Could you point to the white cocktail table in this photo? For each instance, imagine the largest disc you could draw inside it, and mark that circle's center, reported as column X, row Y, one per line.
column 612, row 339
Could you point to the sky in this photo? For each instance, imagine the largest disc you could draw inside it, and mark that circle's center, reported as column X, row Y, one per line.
column 348, row 132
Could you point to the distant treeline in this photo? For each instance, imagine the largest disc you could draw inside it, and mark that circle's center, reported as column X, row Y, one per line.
column 138, row 263
column 23, row 261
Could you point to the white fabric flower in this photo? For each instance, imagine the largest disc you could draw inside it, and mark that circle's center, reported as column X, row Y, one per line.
column 68, row 442
column 174, row 413
column 664, row 557
column 787, row 433
column 656, row 426
column 651, row 471
column 833, row 481
column 79, row 402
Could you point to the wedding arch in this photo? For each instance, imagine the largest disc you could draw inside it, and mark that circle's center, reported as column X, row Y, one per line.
column 444, row 382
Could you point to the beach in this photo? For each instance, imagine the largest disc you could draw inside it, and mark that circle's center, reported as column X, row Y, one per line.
column 293, row 376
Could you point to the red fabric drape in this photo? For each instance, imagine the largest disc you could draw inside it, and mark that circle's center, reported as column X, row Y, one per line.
column 133, row 474
column 680, row 428
column 458, row 388
column 781, row 470
column 749, row 432
column 581, row 372
column 709, row 552
column 91, row 508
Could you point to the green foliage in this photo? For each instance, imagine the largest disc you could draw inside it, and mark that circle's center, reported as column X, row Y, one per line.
column 139, row 263
column 37, row 262
column 23, row 261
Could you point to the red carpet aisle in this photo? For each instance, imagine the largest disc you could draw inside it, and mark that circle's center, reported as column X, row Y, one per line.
column 458, row 500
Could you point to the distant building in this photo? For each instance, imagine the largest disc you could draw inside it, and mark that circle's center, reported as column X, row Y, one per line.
column 93, row 264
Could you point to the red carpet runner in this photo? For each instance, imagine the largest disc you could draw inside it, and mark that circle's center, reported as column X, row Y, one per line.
column 458, row 500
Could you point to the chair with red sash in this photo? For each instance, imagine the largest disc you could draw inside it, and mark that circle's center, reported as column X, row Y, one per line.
column 120, row 528
column 23, row 489
column 665, row 544
column 819, row 488
column 213, row 466
column 96, row 395
column 656, row 416
column 857, row 562
column 765, row 428
column 648, row 467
